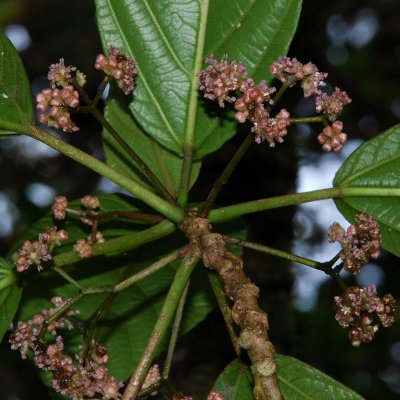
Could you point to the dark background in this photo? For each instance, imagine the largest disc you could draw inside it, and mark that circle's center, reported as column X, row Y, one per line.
column 358, row 44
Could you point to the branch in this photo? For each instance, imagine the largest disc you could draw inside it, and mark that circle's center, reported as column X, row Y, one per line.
column 120, row 244
column 252, row 321
column 163, row 322
column 231, row 212
column 153, row 200
column 224, row 177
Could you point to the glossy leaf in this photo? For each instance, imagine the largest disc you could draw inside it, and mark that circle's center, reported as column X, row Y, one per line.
column 164, row 164
column 10, row 294
column 15, row 92
column 297, row 381
column 166, row 39
column 375, row 164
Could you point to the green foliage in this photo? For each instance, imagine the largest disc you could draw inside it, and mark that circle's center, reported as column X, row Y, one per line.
column 164, row 164
column 10, row 294
column 375, row 164
column 15, row 91
column 297, row 380
column 167, row 40
column 131, row 315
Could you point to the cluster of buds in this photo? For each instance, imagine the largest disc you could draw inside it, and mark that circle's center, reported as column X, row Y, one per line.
column 332, row 105
column 84, row 247
column 290, row 70
column 55, row 105
column 118, row 66
column 220, row 78
column 39, row 252
column 72, row 376
column 332, row 137
column 59, row 207
column 360, row 242
column 227, row 82
column 56, row 102
column 88, row 216
column 355, row 308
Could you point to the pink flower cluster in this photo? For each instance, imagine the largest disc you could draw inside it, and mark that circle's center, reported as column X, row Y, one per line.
column 332, row 137
column 360, row 242
column 118, row 66
column 220, row 78
column 354, row 309
column 39, row 252
column 226, row 81
column 72, row 376
column 59, row 207
column 55, row 105
column 289, row 71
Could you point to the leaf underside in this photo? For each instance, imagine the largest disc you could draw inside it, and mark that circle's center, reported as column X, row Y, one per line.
column 165, row 38
column 375, row 164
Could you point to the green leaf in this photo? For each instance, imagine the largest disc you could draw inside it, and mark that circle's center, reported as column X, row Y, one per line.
column 10, row 295
column 235, row 382
column 167, row 39
column 375, row 164
column 16, row 109
column 164, row 164
column 297, row 381
column 253, row 32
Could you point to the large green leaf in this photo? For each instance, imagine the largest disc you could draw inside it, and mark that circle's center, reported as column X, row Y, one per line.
column 375, row 164
column 297, row 381
column 10, row 294
column 15, row 91
column 164, row 164
column 167, row 38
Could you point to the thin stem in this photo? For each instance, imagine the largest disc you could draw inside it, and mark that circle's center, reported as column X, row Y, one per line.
column 101, row 89
column 324, row 266
column 306, row 120
column 153, row 200
column 120, row 244
column 151, row 269
column 64, row 308
column 227, row 172
column 135, row 215
column 187, row 164
column 226, row 311
column 275, row 252
column 68, row 278
column 163, row 322
column 174, row 334
column 188, row 144
column 231, row 212
column 280, row 92
column 138, row 160
column 91, row 323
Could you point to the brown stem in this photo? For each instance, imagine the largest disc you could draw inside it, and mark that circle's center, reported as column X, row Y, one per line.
column 139, row 216
column 252, row 321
